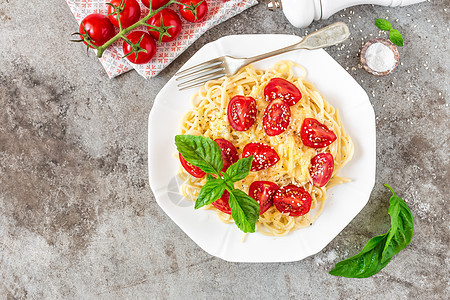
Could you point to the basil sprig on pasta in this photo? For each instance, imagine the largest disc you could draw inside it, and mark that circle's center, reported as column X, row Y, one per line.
column 378, row 251
column 204, row 153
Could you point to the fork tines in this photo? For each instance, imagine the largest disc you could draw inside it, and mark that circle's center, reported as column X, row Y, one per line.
column 201, row 73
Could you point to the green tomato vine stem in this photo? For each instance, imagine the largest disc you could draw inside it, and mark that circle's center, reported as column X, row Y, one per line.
column 122, row 33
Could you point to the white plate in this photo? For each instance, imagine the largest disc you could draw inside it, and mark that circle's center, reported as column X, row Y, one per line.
column 344, row 201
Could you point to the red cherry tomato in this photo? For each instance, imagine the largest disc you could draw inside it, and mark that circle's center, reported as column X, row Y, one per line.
column 277, row 117
column 168, row 29
column 193, row 170
column 262, row 192
column 99, row 28
column 315, row 134
column 264, row 156
column 229, row 153
column 130, row 14
column 279, row 88
column 222, row 203
column 322, row 166
column 294, row 200
column 155, row 3
column 241, row 112
column 147, row 43
column 193, row 10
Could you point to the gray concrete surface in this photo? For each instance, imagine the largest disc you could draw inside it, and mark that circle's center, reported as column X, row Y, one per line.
column 79, row 221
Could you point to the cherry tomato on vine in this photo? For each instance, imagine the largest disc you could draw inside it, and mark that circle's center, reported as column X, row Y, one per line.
column 277, row 117
column 262, row 192
column 193, row 10
column 98, row 27
column 322, row 166
column 222, row 203
column 167, row 25
column 155, row 3
column 193, row 170
column 229, row 153
column 129, row 14
column 294, row 200
column 264, row 155
column 279, row 88
column 141, row 40
column 315, row 134
column 241, row 112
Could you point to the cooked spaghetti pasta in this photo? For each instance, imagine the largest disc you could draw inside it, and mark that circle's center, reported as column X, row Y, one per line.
column 209, row 118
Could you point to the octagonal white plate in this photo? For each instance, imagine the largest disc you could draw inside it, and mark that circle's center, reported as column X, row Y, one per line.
column 344, row 201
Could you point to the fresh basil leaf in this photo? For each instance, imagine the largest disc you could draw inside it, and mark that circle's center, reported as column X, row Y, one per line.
column 383, row 24
column 402, row 226
column 396, row 37
column 240, row 169
column 201, row 152
column 379, row 251
column 210, row 192
column 364, row 264
column 244, row 210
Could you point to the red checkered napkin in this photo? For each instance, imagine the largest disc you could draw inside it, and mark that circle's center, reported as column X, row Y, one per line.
column 218, row 11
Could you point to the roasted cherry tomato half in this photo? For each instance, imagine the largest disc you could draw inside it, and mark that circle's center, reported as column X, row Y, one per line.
column 155, row 3
column 277, row 117
column 99, row 28
column 229, row 153
column 147, row 43
column 193, row 170
column 130, row 14
column 279, row 88
column 193, row 10
column 294, row 200
column 264, row 156
column 322, row 166
column 167, row 25
column 222, row 203
column 262, row 192
column 241, row 112
column 315, row 134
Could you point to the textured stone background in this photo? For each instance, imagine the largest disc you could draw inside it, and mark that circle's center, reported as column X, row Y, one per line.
column 77, row 216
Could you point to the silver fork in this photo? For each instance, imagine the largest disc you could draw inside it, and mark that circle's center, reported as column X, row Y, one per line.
column 226, row 65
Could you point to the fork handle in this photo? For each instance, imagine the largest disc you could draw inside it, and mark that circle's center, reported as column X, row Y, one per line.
column 331, row 35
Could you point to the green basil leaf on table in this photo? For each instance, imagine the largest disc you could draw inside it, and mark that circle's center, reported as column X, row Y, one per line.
column 210, row 192
column 240, row 169
column 383, row 24
column 364, row 264
column 402, row 226
column 201, row 152
column 396, row 37
column 244, row 210
column 378, row 252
